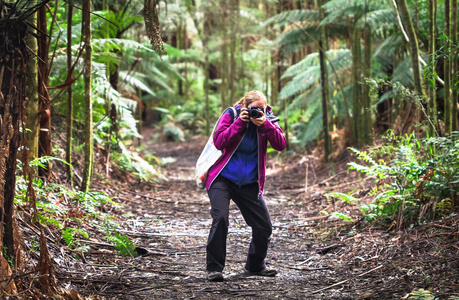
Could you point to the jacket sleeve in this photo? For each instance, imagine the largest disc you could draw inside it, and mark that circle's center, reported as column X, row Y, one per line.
column 274, row 134
column 227, row 131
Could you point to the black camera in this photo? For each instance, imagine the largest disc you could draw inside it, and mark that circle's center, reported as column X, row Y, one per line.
column 254, row 112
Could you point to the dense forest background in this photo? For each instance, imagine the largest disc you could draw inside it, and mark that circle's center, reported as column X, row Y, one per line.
column 374, row 81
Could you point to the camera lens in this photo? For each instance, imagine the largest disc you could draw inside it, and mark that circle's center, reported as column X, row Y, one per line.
column 254, row 112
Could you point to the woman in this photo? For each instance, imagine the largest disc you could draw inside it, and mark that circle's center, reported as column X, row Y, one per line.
column 240, row 175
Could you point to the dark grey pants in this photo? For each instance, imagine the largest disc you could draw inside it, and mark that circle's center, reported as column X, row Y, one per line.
column 255, row 213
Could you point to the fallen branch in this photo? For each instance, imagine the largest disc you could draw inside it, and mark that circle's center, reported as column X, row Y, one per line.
column 309, row 269
column 344, row 281
column 325, row 250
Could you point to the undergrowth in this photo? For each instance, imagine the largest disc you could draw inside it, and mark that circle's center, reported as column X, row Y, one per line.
column 416, row 180
column 69, row 213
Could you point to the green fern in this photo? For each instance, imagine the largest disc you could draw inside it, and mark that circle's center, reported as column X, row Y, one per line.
column 421, row 294
column 123, row 244
column 346, row 198
column 69, row 235
column 43, row 161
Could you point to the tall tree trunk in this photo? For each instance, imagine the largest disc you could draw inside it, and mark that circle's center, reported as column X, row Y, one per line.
column 69, row 148
column 367, row 127
column 455, row 66
column 447, row 68
column 226, row 101
column 13, row 84
column 44, row 137
column 32, row 93
column 180, row 37
column 432, row 101
column 234, row 11
column 275, row 61
column 89, row 141
column 205, row 44
column 356, row 69
column 324, row 86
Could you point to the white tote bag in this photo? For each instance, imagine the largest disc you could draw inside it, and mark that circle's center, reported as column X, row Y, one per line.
column 209, row 156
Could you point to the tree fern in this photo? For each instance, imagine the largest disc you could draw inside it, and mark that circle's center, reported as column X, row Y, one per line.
column 293, row 16
column 134, row 80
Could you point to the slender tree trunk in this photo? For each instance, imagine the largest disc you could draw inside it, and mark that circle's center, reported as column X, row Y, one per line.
column 234, row 10
column 224, row 63
column 205, row 44
column 180, row 41
column 455, row 66
column 367, row 127
column 356, row 106
column 44, row 137
column 432, row 101
column 275, row 62
column 89, row 141
column 324, row 86
column 32, row 93
column 447, row 67
column 69, row 148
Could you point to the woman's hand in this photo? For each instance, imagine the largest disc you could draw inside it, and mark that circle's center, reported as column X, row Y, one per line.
column 259, row 121
column 244, row 115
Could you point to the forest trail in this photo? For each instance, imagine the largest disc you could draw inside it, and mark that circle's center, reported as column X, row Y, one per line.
column 317, row 257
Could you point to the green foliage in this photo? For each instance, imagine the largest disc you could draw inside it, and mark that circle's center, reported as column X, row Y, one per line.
column 418, row 179
column 344, row 197
column 44, row 160
column 69, row 235
column 79, row 209
column 131, row 161
column 421, row 294
column 123, row 244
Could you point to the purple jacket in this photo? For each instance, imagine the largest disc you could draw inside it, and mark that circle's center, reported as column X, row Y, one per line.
column 228, row 136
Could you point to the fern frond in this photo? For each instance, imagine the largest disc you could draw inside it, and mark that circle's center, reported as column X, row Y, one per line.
column 301, row 82
column 134, row 79
column 43, row 161
column 293, row 16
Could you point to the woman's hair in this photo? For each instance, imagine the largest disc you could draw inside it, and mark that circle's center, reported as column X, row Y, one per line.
column 251, row 97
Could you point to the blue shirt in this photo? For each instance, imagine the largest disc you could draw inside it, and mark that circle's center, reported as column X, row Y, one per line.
column 242, row 168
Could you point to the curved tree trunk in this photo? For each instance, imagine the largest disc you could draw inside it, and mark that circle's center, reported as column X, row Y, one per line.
column 414, row 46
column 414, row 51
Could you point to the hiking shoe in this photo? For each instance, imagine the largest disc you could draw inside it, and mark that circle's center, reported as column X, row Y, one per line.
column 265, row 272
column 215, row 276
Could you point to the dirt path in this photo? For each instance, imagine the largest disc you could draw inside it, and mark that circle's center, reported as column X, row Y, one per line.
column 317, row 257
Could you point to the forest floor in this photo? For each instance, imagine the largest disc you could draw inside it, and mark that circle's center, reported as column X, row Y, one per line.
column 317, row 256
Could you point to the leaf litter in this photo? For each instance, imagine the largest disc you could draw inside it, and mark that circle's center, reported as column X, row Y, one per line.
column 318, row 256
